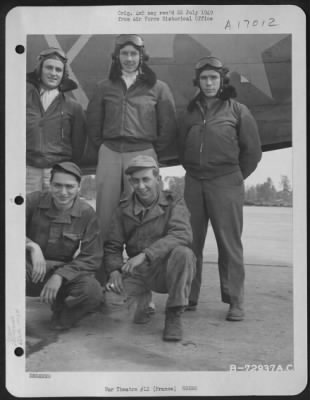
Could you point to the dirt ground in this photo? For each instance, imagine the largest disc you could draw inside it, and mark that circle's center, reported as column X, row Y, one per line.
column 108, row 340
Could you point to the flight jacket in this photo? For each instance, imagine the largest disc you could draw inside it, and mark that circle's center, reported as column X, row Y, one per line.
column 56, row 134
column 133, row 119
column 218, row 141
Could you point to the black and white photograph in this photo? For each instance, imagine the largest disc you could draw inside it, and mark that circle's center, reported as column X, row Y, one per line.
column 156, row 230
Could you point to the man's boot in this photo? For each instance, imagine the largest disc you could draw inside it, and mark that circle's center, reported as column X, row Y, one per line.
column 235, row 312
column 143, row 312
column 173, row 324
column 192, row 306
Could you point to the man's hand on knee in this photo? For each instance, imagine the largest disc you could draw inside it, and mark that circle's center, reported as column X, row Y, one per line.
column 115, row 282
column 50, row 289
column 133, row 263
column 38, row 263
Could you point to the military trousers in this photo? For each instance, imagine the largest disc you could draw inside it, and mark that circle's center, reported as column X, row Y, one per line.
column 173, row 275
column 74, row 299
column 219, row 200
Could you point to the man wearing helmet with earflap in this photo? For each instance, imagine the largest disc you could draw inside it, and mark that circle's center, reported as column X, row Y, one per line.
column 131, row 113
column 56, row 128
column 219, row 146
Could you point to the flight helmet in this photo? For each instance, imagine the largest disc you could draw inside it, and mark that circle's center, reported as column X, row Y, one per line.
column 210, row 63
column 51, row 53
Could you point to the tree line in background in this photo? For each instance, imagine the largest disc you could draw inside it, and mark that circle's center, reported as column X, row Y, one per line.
column 264, row 194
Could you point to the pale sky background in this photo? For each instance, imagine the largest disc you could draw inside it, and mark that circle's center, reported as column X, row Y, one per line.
column 273, row 164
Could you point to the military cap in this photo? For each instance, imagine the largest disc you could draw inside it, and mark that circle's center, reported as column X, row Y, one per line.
column 69, row 167
column 140, row 162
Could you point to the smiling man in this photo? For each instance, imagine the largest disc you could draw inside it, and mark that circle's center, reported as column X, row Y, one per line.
column 55, row 123
column 154, row 227
column 63, row 248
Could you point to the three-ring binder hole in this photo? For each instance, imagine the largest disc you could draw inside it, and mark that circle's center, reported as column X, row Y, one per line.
column 19, row 49
column 19, row 351
column 19, row 200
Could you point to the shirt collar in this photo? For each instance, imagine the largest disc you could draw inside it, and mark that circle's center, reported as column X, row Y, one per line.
column 129, row 78
column 130, row 75
column 49, row 91
column 157, row 208
column 46, row 203
column 138, row 207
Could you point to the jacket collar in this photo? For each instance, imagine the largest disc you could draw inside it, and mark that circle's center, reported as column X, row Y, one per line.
column 146, row 75
column 47, row 204
column 198, row 103
column 155, row 211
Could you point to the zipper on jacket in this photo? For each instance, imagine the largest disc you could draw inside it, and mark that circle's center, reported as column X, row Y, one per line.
column 203, row 114
column 126, row 93
column 200, row 151
column 124, row 101
column 62, row 125
column 42, row 113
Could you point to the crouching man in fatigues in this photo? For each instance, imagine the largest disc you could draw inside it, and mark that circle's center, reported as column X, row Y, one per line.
column 63, row 248
column 154, row 227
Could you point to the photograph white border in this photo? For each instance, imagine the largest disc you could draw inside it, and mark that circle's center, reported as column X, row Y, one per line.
column 23, row 21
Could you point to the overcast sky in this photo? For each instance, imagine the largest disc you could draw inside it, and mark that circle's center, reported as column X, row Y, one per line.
column 273, row 164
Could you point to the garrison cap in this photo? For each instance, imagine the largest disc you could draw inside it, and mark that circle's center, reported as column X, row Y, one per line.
column 140, row 162
column 70, row 168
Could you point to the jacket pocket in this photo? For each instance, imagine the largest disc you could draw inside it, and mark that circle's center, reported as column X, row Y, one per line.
column 113, row 118
column 71, row 242
column 192, row 146
column 56, row 129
